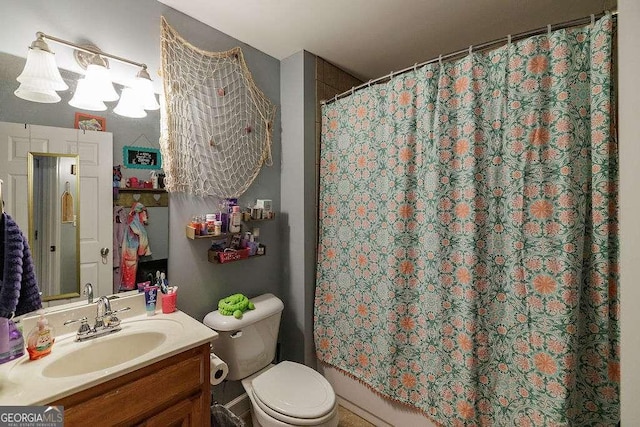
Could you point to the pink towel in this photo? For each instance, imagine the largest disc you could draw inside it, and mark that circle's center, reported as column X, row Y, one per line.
column 134, row 244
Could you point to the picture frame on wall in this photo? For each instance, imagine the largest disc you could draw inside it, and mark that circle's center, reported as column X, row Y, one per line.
column 141, row 157
column 86, row 121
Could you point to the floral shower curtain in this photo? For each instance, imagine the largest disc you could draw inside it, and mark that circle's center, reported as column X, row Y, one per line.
column 467, row 262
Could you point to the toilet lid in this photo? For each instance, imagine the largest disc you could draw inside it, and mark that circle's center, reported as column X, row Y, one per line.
column 295, row 390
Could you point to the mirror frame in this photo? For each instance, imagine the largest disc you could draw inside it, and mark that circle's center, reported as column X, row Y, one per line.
column 76, row 210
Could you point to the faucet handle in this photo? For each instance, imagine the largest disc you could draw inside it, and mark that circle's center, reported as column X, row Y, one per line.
column 120, row 310
column 84, row 328
column 70, row 321
column 114, row 320
column 99, row 323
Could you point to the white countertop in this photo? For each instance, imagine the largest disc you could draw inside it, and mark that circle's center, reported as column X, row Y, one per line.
column 22, row 381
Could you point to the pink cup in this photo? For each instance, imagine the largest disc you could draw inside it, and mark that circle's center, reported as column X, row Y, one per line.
column 169, row 302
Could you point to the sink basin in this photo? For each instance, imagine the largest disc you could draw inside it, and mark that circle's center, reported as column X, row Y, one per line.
column 104, row 353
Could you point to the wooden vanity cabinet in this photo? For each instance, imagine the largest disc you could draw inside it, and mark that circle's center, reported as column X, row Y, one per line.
column 171, row 392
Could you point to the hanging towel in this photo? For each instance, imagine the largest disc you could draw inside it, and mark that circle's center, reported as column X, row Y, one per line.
column 134, row 244
column 19, row 292
column 119, row 228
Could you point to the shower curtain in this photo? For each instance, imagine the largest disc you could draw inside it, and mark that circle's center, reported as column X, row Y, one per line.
column 467, row 258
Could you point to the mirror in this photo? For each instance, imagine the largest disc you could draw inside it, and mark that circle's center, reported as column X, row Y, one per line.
column 54, row 223
column 126, row 132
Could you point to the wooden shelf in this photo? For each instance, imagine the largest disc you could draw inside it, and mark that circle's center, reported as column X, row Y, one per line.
column 190, row 232
column 151, row 198
column 212, row 257
column 142, row 190
column 249, row 219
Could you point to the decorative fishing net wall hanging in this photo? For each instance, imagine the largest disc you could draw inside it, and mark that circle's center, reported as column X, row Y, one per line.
column 216, row 123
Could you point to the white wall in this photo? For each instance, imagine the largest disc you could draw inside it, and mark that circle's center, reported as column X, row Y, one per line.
column 629, row 108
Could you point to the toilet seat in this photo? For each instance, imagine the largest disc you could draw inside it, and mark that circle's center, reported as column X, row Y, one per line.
column 294, row 394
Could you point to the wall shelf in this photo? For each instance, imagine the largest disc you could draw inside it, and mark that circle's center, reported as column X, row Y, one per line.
column 213, row 256
column 151, row 198
column 190, row 233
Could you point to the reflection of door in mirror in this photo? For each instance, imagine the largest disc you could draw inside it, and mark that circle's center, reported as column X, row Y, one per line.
column 94, row 174
column 53, row 233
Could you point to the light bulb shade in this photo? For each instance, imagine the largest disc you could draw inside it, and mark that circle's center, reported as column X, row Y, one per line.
column 86, row 99
column 129, row 105
column 28, row 93
column 40, row 71
column 99, row 81
column 144, row 91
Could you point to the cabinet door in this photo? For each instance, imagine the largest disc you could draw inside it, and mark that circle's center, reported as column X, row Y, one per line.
column 186, row 413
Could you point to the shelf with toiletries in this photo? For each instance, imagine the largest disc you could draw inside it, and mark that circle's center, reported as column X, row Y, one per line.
column 233, row 235
column 224, row 257
column 235, row 247
column 194, row 233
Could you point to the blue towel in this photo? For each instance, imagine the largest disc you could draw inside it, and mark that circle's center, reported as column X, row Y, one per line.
column 19, row 292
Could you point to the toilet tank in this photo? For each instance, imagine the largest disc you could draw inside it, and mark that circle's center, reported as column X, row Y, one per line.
column 247, row 344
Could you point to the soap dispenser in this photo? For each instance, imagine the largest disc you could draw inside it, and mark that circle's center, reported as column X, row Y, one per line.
column 40, row 339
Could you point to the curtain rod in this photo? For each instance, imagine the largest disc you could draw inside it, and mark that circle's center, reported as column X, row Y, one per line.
column 476, row 48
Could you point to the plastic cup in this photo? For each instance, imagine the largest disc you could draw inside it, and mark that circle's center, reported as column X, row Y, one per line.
column 169, row 302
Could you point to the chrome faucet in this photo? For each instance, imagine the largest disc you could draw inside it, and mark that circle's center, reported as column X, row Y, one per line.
column 103, row 302
column 88, row 292
column 106, row 321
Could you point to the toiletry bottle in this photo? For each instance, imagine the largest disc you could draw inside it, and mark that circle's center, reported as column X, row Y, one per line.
column 16, row 341
column 235, row 220
column 40, row 339
column 195, row 224
column 211, row 223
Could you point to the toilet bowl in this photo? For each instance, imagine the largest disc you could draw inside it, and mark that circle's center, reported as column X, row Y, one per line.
column 291, row 394
column 284, row 394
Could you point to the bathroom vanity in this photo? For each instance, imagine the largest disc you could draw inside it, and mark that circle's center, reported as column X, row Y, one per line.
column 153, row 372
column 173, row 391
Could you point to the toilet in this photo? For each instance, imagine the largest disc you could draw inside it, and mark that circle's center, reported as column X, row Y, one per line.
column 283, row 394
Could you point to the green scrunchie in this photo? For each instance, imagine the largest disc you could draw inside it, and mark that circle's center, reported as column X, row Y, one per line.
column 234, row 305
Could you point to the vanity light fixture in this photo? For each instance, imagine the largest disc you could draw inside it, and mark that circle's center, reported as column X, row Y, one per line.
column 41, row 80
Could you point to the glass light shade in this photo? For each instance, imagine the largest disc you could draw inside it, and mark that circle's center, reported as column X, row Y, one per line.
column 129, row 105
column 40, row 71
column 29, row 93
column 100, row 83
column 85, row 99
column 144, row 90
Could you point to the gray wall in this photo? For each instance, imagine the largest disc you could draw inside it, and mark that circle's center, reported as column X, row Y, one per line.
column 132, row 29
column 297, row 81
